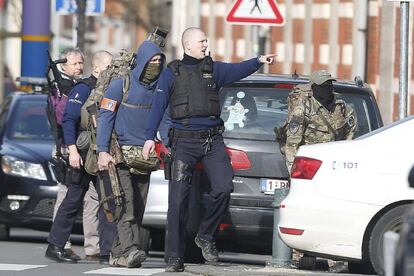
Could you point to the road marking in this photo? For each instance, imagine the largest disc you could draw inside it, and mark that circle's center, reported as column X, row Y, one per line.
column 126, row 271
column 18, row 267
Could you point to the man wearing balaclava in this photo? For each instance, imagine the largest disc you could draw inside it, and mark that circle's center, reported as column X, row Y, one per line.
column 316, row 116
column 127, row 113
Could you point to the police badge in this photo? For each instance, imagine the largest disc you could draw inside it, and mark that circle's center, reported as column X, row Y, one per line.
column 351, row 121
column 294, row 127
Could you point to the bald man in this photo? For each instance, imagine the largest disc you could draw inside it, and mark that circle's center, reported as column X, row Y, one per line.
column 190, row 87
column 78, row 180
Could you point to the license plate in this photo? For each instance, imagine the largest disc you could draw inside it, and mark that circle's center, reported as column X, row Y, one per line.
column 268, row 186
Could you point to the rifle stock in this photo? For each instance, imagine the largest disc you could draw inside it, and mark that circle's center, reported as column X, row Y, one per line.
column 113, row 176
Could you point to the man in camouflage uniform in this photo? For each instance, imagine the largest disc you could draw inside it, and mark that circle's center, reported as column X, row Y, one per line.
column 317, row 116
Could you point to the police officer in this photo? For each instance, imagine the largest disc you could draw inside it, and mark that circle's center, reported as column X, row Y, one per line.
column 319, row 117
column 190, row 87
column 79, row 181
column 128, row 115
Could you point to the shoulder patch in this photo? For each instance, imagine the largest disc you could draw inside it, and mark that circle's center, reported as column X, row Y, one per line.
column 293, row 127
column 108, row 104
column 351, row 121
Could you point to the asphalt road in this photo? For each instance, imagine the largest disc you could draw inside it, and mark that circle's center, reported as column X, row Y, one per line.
column 23, row 254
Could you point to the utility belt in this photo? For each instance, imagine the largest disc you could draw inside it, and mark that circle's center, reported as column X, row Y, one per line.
column 198, row 134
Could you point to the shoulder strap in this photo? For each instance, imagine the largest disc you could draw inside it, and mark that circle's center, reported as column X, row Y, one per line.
column 175, row 67
column 207, row 66
column 335, row 133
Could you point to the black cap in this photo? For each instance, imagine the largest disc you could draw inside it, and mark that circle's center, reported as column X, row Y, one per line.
column 158, row 37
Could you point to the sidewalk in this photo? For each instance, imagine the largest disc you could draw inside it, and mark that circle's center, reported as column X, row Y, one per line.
column 231, row 269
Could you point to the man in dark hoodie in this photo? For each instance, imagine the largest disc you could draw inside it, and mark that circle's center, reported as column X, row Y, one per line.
column 190, row 86
column 129, row 118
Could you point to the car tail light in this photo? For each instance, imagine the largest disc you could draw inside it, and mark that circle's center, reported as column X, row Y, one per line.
column 284, row 85
column 305, row 168
column 239, row 159
column 291, row 231
column 161, row 150
column 224, row 226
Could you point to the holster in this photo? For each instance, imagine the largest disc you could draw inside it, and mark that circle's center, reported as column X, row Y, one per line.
column 73, row 176
column 59, row 166
column 167, row 160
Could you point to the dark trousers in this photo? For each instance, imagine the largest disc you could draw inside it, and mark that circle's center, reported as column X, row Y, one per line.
column 135, row 188
column 217, row 167
column 67, row 212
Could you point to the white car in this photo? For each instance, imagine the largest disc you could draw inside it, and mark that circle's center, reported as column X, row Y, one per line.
column 345, row 195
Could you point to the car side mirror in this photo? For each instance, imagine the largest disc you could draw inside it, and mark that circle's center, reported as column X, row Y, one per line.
column 411, row 178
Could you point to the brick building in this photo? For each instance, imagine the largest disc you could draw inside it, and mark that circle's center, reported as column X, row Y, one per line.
column 347, row 37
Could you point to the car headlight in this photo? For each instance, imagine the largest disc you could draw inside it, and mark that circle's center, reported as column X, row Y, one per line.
column 14, row 166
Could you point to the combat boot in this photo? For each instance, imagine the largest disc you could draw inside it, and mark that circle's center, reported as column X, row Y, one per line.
column 174, row 265
column 118, row 261
column 208, row 249
column 136, row 258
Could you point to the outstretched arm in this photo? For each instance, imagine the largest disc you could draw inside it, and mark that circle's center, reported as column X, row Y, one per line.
column 225, row 73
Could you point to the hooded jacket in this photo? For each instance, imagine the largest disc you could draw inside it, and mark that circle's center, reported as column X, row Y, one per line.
column 130, row 119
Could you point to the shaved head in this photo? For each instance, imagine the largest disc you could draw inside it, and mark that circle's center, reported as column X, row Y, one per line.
column 100, row 61
column 194, row 42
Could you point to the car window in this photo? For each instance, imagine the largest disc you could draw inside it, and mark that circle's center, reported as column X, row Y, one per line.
column 28, row 120
column 361, row 105
column 253, row 113
column 265, row 108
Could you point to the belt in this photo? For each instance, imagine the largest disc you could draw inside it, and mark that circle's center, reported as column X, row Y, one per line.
column 198, row 134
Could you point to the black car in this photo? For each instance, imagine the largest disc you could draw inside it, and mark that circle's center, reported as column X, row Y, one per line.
column 28, row 187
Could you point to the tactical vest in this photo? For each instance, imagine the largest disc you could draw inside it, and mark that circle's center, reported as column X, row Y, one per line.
column 194, row 92
column 91, row 83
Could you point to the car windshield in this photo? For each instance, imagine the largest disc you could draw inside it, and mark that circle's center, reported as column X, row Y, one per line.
column 252, row 113
column 28, row 120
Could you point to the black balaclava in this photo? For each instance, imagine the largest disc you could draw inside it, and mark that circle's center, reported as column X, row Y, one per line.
column 189, row 60
column 324, row 95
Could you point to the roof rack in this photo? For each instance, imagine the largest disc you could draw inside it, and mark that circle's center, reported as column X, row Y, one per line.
column 358, row 80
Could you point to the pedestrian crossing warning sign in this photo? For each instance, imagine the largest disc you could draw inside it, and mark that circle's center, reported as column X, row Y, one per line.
column 257, row 12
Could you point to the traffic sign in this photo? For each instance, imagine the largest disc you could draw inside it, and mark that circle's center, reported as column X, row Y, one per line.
column 257, row 12
column 93, row 7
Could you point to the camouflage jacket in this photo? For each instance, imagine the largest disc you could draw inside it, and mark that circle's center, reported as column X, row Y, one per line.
column 311, row 123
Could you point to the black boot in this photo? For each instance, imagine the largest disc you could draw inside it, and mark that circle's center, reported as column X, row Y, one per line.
column 58, row 254
column 175, row 265
column 208, row 249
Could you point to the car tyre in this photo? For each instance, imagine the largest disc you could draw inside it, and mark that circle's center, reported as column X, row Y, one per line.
column 360, row 268
column 4, row 232
column 307, row 262
column 390, row 221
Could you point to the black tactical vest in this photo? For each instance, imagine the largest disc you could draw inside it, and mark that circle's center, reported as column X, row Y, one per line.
column 194, row 92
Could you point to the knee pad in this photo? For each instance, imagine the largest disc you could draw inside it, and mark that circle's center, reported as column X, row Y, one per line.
column 181, row 171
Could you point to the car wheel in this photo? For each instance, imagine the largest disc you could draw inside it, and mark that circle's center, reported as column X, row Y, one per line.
column 144, row 239
column 4, row 232
column 390, row 221
column 307, row 262
column 157, row 240
column 360, row 268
